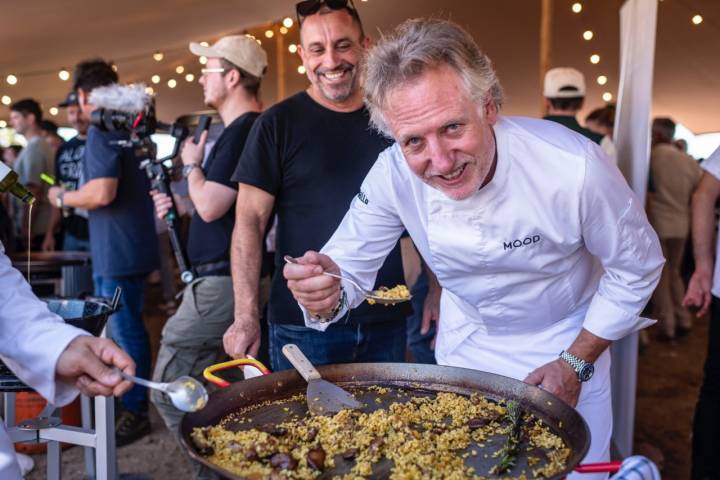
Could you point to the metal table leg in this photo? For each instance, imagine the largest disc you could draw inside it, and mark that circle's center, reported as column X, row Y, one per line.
column 9, row 408
column 105, row 454
column 54, row 463
column 86, row 406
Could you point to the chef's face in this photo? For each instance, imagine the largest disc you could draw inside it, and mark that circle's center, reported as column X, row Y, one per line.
column 446, row 137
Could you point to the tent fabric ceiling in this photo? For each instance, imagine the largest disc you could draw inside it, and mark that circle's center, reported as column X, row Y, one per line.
column 44, row 35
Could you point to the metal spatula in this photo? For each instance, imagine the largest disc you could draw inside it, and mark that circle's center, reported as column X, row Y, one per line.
column 323, row 397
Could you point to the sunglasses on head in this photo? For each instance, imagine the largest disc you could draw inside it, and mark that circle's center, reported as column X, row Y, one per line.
column 310, row 7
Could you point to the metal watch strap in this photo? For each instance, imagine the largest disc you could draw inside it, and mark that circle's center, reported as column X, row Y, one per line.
column 576, row 363
column 60, row 200
column 342, row 302
column 187, row 169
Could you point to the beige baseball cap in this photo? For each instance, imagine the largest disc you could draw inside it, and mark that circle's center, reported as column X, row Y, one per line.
column 564, row 82
column 241, row 50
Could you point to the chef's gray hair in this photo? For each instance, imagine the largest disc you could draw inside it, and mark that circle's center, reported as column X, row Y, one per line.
column 420, row 44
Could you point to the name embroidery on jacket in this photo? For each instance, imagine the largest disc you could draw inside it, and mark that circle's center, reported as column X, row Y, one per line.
column 363, row 198
column 521, row 242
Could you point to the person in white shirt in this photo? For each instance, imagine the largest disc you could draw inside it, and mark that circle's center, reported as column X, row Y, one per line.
column 56, row 359
column 544, row 254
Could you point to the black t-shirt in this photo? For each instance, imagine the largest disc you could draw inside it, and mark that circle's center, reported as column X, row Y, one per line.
column 69, row 172
column 210, row 242
column 313, row 161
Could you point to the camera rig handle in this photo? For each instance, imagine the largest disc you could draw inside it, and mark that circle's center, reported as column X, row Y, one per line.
column 158, row 172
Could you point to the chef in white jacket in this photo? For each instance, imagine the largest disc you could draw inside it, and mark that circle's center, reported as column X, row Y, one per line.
column 544, row 254
column 52, row 357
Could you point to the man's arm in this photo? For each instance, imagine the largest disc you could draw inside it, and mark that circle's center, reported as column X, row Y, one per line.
column 252, row 213
column 96, row 193
column 616, row 232
column 703, row 227
column 212, row 200
column 48, row 244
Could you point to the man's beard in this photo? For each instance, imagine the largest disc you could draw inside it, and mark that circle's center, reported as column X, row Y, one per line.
column 339, row 92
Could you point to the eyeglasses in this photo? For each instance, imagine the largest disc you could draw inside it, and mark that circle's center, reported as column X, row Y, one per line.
column 205, row 71
column 310, row 7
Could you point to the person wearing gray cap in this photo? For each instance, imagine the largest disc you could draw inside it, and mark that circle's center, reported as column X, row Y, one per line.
column 192, row 337
column 68, row 172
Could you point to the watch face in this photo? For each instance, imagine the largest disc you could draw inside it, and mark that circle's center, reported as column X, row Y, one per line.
column 586, row 372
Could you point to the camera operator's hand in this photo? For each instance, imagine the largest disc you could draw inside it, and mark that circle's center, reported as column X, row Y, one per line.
column 163, row 203
column 192, row 154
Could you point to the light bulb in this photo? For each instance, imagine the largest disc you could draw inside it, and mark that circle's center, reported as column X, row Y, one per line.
column 292, row 48
column 697, row 19
column 179, row 69
column 172, row 83
column 11, row 79
column 53, row 111
column 602, row 80
column 158, row 56
column 595, row 59
column 301, row 70
column 155, row 79
column 287, row 22
column 64, row 75
column 577, row 7
column 588, row 35
column 269, row 33
column 607, row 96
column 202, row 60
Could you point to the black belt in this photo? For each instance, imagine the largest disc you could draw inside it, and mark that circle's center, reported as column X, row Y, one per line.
column 213, row 269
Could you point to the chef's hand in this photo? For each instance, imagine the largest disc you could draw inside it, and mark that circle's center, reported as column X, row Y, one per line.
column 431, row 308
column 89, row 363
column 698, row 292
column 558, row 378
column 242, row 338
column 318, row 293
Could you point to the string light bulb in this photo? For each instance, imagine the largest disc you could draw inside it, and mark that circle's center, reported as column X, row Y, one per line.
column 287, row 22
column 269, row 33
column 292, row 48
column 189, row 77
column 6, row 100
column 172, row 83
column 259, row 42
column 283, row 30
column 202, row 60
column 158, row 56
column 11, row 79
column 301, row 70
column 155, row 79
column 53, row 111
column 3, row 124
column 179, row 69
column 697, row 19
column 607, row 96
column 64, row 75
column 588, row 35
column 150, row 90
column 602, row 80
column 577, row 7
column 595, row 59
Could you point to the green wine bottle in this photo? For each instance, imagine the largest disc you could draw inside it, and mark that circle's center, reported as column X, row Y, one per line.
column 9, row 183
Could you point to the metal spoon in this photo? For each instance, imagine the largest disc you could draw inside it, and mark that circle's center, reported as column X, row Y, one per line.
column 365, row 293
column 186, row 393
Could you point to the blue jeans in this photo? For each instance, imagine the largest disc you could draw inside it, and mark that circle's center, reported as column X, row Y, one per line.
column 418, row 344
column 127, row 329
column 71, row 243
column 340, row 343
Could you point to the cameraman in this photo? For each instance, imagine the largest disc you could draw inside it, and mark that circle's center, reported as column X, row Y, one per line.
column 123, row 243
column 192, row 338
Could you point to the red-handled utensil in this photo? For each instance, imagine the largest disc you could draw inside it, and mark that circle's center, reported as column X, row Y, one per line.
column 209, row 372
column 602, row 467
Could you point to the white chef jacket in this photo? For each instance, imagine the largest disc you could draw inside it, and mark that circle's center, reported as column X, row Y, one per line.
column 31, row 340
column 712, row 166
column 555, row 242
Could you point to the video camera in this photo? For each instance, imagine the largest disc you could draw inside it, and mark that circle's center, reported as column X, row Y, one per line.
column 130, row 109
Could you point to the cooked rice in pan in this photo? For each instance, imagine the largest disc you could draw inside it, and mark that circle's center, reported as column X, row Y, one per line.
column 424, row 437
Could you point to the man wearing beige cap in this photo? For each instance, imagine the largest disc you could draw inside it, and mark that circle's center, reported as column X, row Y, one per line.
column 564, row 92
column 192, row 337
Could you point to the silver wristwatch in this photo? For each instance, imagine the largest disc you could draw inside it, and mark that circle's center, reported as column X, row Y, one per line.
column 187, row 169
column 583, row 369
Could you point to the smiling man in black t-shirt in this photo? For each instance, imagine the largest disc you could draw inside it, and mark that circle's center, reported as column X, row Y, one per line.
column 305, row 159
column 192, row 337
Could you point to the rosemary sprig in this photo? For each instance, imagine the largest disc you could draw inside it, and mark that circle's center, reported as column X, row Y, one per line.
column 511, row 449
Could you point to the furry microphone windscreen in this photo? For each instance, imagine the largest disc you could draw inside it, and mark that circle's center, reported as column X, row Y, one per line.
column 124, row 98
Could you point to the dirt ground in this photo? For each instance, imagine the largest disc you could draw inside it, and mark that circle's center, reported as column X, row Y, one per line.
column 668, row 381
